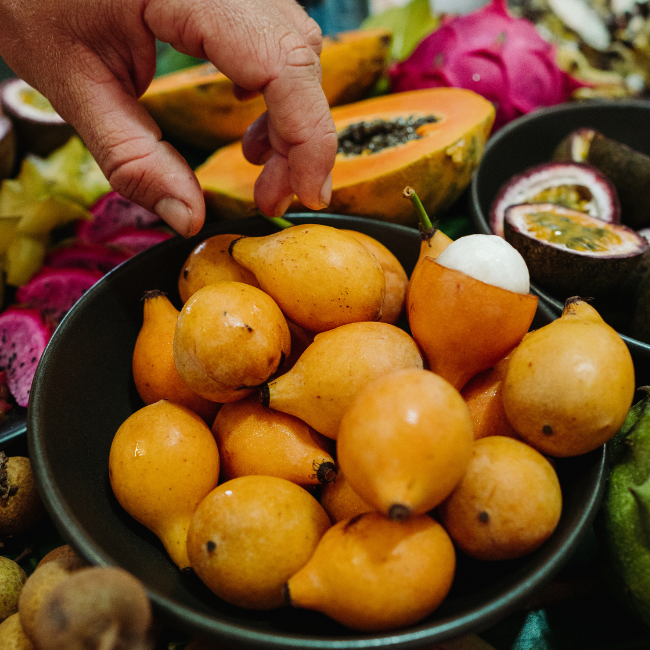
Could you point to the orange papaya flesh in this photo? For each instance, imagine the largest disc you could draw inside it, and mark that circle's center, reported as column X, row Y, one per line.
column 438, row 165
column 462, row 325
column 198, row 106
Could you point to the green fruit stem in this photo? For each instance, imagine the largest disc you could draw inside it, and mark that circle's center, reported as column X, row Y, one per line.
column 427, row 229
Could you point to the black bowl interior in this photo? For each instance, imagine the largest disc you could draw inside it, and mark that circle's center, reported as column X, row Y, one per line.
column 83, row 391
column 531, row 140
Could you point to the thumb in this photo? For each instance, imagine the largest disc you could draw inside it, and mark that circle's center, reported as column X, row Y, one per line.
column 126, row 143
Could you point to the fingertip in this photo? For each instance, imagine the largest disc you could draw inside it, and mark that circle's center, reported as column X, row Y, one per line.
column 179, row 216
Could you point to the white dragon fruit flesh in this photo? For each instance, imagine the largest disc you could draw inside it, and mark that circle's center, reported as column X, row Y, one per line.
column 489, row 51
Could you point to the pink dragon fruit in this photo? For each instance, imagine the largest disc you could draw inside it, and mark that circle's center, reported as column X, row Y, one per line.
column 498, row 56
column 136, row 240
column 110, row 214
column 23, row 337
column 87, row 256
column 53, row 291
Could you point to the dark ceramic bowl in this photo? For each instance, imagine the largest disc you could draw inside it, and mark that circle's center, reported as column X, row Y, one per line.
column 83, row 391
column 531, row 140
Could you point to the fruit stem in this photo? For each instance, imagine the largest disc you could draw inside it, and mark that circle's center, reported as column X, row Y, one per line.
column 427, row 229
column 280, row 222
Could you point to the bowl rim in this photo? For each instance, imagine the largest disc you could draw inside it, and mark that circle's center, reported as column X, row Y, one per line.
column 473, row 619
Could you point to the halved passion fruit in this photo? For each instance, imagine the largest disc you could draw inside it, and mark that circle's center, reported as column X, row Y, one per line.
column 571, row 185
column 39, row 128
column 571, row 253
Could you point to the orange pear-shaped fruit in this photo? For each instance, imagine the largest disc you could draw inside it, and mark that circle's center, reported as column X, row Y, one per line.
column 256, row 440
column 507, row 504
column 569, row 384
column 372, row 574
column 405, row 441
column 464, row 325
column 341, row 501
column 154, row 370
column 320, row 276
column 162, row 463
column 325, row 379
column 250, row 534
column 211, row 262
column 230, row 337
column 483, row 395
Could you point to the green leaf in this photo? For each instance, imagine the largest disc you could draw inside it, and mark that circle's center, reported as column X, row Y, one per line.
column 410, row 24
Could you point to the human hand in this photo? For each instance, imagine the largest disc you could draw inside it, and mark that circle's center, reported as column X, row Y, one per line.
column 93, row 60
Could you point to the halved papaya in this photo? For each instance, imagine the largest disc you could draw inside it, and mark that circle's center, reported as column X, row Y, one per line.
column 197, row 105
column 431, row 140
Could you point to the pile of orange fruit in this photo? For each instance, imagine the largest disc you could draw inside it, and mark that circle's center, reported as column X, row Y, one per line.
column 299, row 447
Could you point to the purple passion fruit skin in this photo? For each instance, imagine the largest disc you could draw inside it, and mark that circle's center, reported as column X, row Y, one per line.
column 571, row 253
column 569, row 184
column 7, row 147
column 39, row 128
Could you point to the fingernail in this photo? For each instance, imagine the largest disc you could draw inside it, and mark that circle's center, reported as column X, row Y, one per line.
column 176, row 214
column 326, row 191
column 283, row 205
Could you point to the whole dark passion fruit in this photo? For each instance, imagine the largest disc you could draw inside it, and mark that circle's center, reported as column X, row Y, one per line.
column 571, row 253
column 570, row 185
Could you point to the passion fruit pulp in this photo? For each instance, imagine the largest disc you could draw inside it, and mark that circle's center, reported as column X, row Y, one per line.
column 571, row 253
column 569, row 184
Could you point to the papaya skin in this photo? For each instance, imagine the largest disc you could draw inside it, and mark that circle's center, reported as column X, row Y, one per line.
column 162, row 463
column 372, row 574
column 198, row 105
column 438, row 166
column 255, row 440
column 250, row 534
column 569, row 384
column 396, row 278
column 154, row 370
column 210, row 262
column 463, row 325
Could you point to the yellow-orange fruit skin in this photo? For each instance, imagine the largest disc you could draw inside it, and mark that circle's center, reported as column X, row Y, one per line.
column 372, row 574
column 230, row 337
column 508, row 503
column 394, row 273
column 335, row 367
column 320, row 276
column 341, row 501
column 154, row 370
column 162, row 463
column 250, row 534
column 464, row 325
column 256, row 440
column 483, row 395
column 210, row 262
column 405, row 441
column 569, row 384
